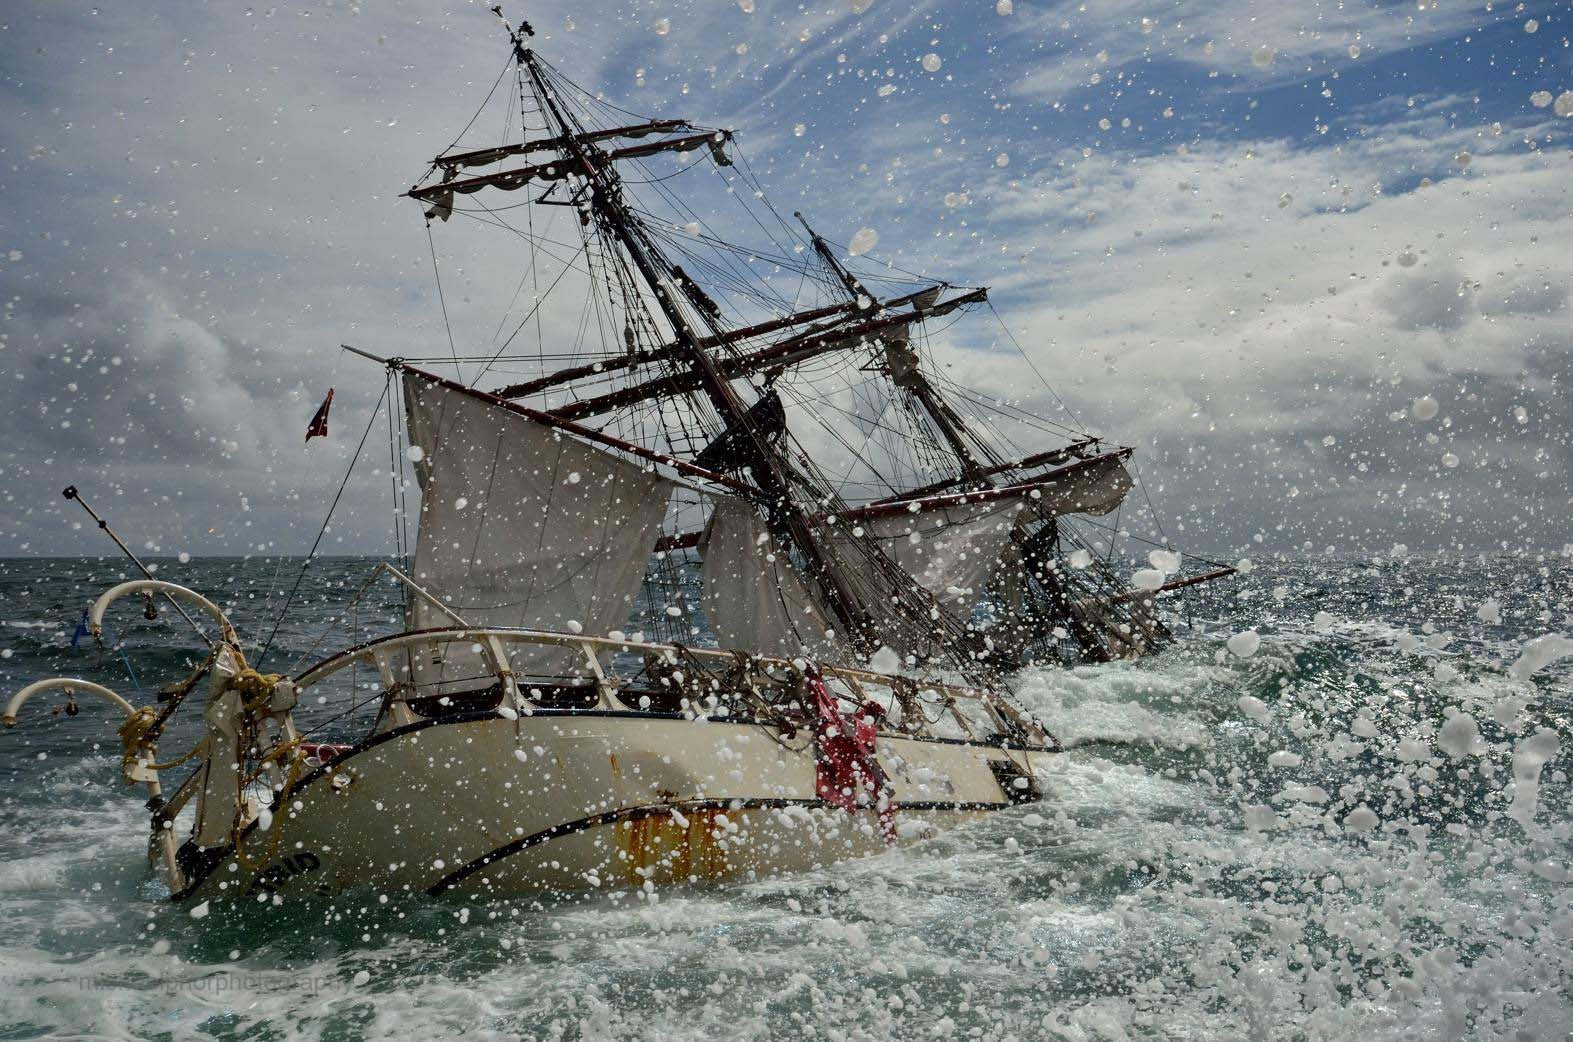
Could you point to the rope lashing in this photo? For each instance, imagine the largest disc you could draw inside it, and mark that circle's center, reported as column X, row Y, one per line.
column 135, row 736
column 256, row 689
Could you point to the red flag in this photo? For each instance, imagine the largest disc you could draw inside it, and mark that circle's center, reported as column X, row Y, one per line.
column 318, row 428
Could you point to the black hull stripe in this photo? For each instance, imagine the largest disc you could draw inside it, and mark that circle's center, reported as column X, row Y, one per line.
column 457, row 876
column 372, row 741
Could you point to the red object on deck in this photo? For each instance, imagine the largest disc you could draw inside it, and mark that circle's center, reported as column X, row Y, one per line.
column 847, row 766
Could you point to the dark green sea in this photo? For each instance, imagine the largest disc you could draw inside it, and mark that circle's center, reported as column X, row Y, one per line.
column 1311, row 842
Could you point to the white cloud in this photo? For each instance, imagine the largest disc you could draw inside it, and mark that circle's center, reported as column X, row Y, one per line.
column 246, row 168
column 1229, row 335
column 1260, row 42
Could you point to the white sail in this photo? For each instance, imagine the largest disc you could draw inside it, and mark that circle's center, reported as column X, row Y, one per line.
column 753, row 597
column 523, row 526
column 1093, row 490
column 952, row 552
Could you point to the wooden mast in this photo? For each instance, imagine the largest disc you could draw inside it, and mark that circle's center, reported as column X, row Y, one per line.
column 510, row 180
column 669, row 352
column 1050, row 458
column 765, row 468
column 911, row 379
column 486, row 156
column 785, row 353
column 974, row 471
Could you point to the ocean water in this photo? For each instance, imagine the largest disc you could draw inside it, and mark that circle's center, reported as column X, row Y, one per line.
column 1311, row 843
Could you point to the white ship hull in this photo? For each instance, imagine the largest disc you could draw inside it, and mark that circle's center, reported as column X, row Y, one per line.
column 509, row 788
column 608, row 800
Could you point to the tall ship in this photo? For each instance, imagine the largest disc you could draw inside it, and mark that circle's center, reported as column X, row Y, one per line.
column 713, row 573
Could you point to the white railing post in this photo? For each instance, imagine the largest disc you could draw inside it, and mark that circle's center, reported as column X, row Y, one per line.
column 606, row 691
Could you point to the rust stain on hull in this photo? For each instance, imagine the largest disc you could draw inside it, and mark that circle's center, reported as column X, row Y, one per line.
column 660, row 845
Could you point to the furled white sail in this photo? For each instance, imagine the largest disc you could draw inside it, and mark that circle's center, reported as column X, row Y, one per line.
column 1096, row 489
column 523, row 526
column 950, row 552
column 753, row 597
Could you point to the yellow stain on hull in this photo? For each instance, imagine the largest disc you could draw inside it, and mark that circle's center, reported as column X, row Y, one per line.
column 681, row 847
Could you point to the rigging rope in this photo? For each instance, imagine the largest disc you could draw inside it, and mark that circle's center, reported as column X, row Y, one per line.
column 1035, row 371
column 541, row 299
column 279, row 619
column 457, row 372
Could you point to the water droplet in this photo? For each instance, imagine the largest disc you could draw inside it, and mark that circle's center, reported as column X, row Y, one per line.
column 931, row 62
column 1424, row 408
column 1354, row 50
column 1564, row 104
column 1531, row 26
column 663, row 26
column 1243, row 645
column 863, row 240
column 1004, row 7
column 1540, row 99
column 1263, row 56
column 1002, row 160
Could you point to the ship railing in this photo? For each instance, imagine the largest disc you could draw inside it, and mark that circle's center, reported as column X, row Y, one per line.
column 390, row 656
column 904, row 692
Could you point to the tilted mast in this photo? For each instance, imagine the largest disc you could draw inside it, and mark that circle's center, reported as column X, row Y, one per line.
column 1096, row 623
column 676, row 376
column 765, row 468
column 667, row 352
column 903, row 367
column 777, row 356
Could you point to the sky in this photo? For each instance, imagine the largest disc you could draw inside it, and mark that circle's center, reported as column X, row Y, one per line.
column 1312, row 260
